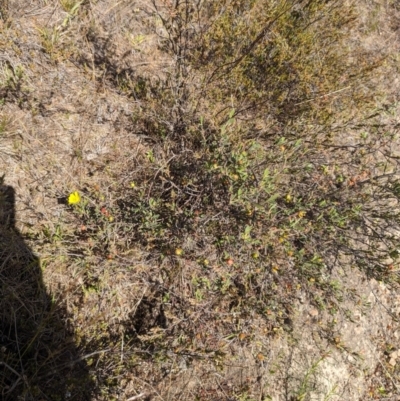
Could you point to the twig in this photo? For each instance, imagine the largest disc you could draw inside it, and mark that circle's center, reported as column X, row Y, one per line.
column 136, row 397
column 326, row 94
column 153, row 389
column 10, row 368
column 10, row 390
column 156, row 174
column 82, row 358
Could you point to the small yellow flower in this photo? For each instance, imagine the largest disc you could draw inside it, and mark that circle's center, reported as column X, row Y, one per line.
column 206, row 262
column 74, row 198
column 178, row 251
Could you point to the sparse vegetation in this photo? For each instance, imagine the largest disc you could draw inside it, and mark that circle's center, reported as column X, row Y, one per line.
column 195, row 205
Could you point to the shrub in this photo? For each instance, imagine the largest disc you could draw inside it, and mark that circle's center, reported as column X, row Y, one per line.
column 268, row 167
column 286, row 184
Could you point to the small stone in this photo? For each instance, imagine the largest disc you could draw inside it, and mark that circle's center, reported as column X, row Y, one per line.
column 392, row 361
column 313, row 312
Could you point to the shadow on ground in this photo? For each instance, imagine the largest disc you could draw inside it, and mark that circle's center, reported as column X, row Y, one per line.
column 38, row 358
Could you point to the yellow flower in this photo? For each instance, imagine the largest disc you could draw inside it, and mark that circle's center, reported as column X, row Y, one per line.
column 178, row 251
column 74, row 198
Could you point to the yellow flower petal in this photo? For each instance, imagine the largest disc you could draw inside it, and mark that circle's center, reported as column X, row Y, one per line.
column 74, row 198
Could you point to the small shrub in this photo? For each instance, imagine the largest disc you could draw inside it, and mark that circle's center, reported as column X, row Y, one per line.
column 266, row 168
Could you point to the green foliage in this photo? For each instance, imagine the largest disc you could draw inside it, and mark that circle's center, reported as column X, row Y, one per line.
column 4, row 122
column 11, row 77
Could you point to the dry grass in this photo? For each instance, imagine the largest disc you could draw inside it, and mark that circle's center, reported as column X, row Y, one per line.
column 177, row 277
